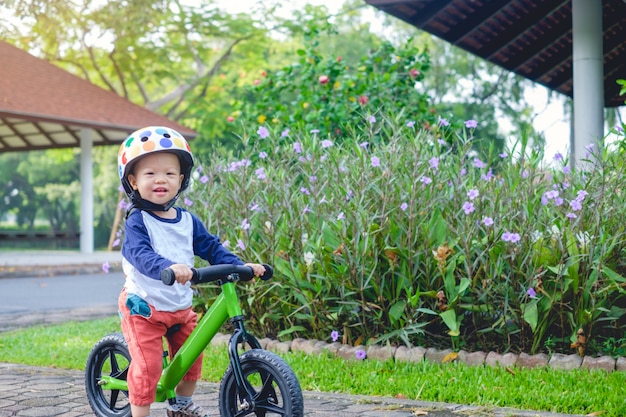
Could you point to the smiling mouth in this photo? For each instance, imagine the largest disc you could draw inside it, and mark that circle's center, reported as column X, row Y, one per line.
column 160, row 190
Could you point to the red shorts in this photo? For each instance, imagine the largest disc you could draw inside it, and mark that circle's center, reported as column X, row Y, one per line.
column 143, row 328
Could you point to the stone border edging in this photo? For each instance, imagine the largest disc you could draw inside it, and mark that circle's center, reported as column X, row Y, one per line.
column 557, row 361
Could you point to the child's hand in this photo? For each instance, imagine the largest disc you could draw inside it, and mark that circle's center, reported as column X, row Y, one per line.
column 182, row 273
column 258, row 269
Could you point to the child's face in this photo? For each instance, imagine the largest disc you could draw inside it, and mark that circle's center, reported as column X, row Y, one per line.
column 157, row 177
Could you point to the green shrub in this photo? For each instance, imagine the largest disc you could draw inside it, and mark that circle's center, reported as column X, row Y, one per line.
column 418, row 241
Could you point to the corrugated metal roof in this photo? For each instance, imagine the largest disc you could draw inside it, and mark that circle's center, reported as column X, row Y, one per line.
column 532, row 38
column 42, row 106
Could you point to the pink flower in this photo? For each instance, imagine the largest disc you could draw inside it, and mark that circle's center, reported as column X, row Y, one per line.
column 323, row 79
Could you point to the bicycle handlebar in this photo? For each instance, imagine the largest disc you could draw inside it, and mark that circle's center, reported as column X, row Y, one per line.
column 217, row 272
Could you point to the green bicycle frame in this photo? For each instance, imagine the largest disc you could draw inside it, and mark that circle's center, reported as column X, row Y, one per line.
column 225, row 306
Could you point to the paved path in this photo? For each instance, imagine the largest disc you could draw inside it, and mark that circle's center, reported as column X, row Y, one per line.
column 34, row 391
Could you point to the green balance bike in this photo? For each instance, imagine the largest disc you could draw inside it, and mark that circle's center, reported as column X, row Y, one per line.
column 256, row 383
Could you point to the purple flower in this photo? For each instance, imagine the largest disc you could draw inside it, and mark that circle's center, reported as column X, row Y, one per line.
column 240, row 244
column 188, row 202
column 531, row 292
column 260, row 173
column 571, row 215
column 426, row 180
column 327, row 143
column 558, row 156
column 581, row 194
column 472, row 194
column 471, row 124
column 468, row 207
column 434, row 163
column 487, row 221
column 410, row 123
column 334, row 335
column 262, row 154
column 503, row 155
column 315, row 131
column 234, row 166
column 372, row 119
column 360, row 354
column 443, row 122
column 404, row 206
column 567, row 169
column 204, row 179
column 255, row 207
column 525, row 173
column 558, row 201
column 364, row 145
column 116, row 243
column 511, row 237
column 305, row 191
column 306, row 210
column 489, row 175
column 479, row 164
column 375, row 161
column 341, row 216
column 105, row 267
column 297, row 147
column 263, row 132
column 575, row 205
column 245, row 225
column 284, row 133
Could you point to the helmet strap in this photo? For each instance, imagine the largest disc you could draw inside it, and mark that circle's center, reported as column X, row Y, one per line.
column 138, row 202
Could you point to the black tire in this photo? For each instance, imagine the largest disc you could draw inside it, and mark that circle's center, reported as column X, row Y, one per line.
column 276, row 387
column 110, row 357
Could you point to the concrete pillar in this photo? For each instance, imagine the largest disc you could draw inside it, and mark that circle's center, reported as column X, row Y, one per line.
column 588, row 70
column 86, row 191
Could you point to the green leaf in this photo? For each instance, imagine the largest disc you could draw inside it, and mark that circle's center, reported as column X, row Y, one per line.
column 438, row 228
column 531, row 315
column 291, row 330
column 451, row 320
column 397, row 310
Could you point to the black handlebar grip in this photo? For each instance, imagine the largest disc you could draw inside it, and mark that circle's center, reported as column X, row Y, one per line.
column 268, row 274
column 169, row 278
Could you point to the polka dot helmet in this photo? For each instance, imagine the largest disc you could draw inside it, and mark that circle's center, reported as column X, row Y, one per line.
column 149, row 140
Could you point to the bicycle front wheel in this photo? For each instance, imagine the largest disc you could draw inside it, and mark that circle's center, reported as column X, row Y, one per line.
column 109, row 356
column 276, row 388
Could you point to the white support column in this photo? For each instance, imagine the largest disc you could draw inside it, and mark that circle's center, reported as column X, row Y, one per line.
column 86, row 191
column 588, row 77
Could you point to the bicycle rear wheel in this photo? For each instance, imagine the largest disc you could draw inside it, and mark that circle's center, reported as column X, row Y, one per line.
column 109, row 356
column 276, row 388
